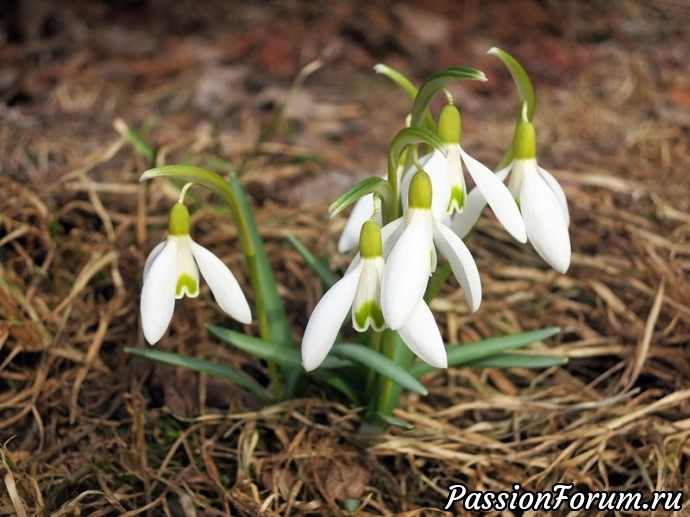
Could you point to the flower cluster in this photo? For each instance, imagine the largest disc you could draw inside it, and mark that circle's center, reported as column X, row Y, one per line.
column 386, row 282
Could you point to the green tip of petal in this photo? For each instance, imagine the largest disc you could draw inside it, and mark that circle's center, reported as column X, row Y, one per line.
column 369, row 313
column 457, row 200
column 525, row 143
column 186, row 285
column 449, row 124
column 420, row 190
column 370, row 240
column 179, row 220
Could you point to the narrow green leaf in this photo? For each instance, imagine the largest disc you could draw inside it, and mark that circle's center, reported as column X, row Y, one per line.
column 133, row 137
column 411, row 136
column 393, row 420
column 203, row 366
column 335, row 380
column 433, row 85
column 325, row 274
column 379, row 363
column 373, row 185
column 397, row 78
column 522, row 80
column 518, row 361
column 463, row 354
column 273, row 321
column 270, row 351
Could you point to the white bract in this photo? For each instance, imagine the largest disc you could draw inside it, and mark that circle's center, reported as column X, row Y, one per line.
column 359, row 292
column 172, row 271
column 448, row 181
column 412, row 257
column 542, row 202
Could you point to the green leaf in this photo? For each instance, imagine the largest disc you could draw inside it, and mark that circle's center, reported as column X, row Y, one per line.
column 401, row 141
column 273, row 322
column 379, row 363
column 335, row 380
column 463, row 354
column 203, row 366
column 405, row 84
column 397, row 78
column 522, row 80
column 373, row 185
column 518, row 361
column 434, row 84
column 325, row 274
column 270, row 351
column 393, row 420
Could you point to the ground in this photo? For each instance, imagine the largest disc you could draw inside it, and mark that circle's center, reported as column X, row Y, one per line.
column 283, row 93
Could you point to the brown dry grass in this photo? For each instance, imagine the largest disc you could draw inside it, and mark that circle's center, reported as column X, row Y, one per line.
column 88, row 430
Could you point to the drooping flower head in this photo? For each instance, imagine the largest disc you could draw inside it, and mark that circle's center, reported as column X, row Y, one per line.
column 447, row 178
column 172, row 272
column 412, row 257
column 359, row 293
column 542, row 202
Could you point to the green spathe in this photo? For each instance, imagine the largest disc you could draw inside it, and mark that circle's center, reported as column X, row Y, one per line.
column 420, row 191
column 179, row 220
column 370, row 240
column 525, row 145
column 449, row 124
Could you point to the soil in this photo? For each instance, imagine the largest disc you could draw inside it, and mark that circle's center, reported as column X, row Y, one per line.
column 284, row 95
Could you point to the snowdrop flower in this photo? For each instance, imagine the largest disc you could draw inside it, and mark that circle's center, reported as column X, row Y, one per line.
column 171, row 272
column 412, row 257
column 541, row 199
column 447, row 178
column 358, row 292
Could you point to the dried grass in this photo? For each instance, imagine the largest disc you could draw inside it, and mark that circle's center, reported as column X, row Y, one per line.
column 87, row 430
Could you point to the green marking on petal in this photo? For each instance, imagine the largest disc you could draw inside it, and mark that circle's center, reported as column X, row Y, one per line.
column 186, row 285
column 369, row 313
column 457, row 200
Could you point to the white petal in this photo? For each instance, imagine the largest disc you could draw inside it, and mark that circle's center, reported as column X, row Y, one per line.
column 152, row 257
column 464, row 221
column 547, row 228
column 436, row 166
column 497, row 196
column 422, row 336
column 390, row 235
column 187, row 272
column 457, row 179
column 557, row 190
column 407, row 270
column 461, row 262
column 224, row 286
column 158, row 293
column 360, row 214
column 325, row 321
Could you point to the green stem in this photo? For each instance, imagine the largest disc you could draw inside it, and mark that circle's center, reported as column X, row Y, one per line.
column 271, row 317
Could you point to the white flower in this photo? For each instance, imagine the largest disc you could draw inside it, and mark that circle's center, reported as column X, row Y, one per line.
column 358, row 292
column 412, row 257
column 448, row 181
column 171, row 272
column 542, row 202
